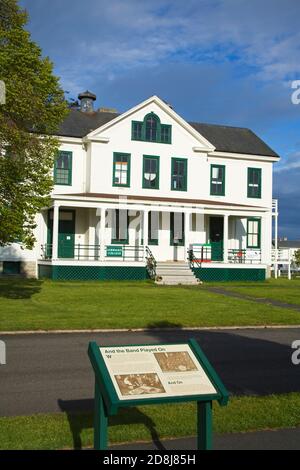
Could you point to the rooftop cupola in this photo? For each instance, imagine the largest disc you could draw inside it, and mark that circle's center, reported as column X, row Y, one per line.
column 87, row 101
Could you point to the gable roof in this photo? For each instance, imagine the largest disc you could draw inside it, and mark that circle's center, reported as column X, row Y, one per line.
column 223, row 138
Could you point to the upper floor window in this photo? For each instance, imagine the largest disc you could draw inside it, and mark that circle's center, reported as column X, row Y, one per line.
column 217, row 180
column 254, row 182
column 63, row 168
column 151, row 172
column 151, row 130
column 121, row 169
column 179, row 174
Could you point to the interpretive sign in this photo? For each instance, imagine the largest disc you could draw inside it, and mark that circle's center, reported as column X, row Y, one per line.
column 144, row 374
column 157, row 371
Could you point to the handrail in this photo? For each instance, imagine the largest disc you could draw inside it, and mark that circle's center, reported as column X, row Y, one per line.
column 78, row 251
column 192, row 260
column 151, row 263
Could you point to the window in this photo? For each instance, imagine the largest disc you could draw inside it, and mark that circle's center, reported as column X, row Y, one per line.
column 151, row 172
column 176, row 229
column 63, row 169
column 120, row 223
column 11, row 267
column 179, row 174
column 153, row 227
column 151, row 130
column 254, row 182
column 217, row 180
column 253, row 233
column 121, row 169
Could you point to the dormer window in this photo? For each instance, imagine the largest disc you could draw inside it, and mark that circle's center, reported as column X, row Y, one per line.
column 151, row 130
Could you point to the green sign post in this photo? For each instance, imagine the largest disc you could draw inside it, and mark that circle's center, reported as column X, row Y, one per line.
column 133, row 375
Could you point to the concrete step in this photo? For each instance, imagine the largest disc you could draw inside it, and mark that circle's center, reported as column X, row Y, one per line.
column 175, row 273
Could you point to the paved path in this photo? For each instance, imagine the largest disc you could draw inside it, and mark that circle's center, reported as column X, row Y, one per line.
column 237, row 295
column 50, row 373
column 282, row 439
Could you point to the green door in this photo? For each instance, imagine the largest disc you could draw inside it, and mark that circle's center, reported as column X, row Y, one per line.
column 66, row 233
column 216, row 230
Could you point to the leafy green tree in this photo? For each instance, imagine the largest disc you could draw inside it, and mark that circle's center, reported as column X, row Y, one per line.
column 29, row 119
column 297, row 257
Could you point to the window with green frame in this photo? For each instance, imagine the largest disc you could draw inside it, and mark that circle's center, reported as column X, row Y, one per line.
column 179, row 174
column 176, row 229
column 150, row 172
column 63, row 168
column 119, row 226
column 254, row 182
column 151, row 130
column 121, row 169
column 217, row 180
column 253, row 233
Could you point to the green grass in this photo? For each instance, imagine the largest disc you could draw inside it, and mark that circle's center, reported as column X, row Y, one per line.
column 33, row 305
column 273, row 289
column 56, row 431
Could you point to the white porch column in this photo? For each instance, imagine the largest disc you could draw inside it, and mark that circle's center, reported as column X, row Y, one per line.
column 187, row 222
column 55, row 231
column 102, row 234
column 266, row 239
column 145, row 230
column 225, row 239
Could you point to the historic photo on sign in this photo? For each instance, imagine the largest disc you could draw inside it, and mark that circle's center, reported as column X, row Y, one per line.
column 175, row 361
column 139, row 384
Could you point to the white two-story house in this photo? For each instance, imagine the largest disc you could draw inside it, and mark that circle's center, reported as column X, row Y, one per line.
column 147, row 186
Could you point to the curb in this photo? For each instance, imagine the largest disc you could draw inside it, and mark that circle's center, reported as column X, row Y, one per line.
column 136, row 330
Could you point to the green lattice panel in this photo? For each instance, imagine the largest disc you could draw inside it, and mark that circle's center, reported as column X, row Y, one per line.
column 230, row 274
column 95, row 273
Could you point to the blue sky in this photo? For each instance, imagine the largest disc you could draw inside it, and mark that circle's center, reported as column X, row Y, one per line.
column 220, row 61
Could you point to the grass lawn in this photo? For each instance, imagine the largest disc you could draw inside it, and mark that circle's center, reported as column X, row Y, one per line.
column 275, row 289
column 37, row 304
column 57, row 431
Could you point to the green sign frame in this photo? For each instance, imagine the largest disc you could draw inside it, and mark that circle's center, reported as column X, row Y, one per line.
column 107, row 402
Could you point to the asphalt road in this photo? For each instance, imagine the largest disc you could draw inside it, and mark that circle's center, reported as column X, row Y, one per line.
column 51, row 372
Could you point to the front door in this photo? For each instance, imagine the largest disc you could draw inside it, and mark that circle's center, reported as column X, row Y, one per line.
column 216, row 228
column 66, row 233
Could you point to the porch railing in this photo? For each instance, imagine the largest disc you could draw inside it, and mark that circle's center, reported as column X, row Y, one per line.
column 205, row 254
column 78, row 251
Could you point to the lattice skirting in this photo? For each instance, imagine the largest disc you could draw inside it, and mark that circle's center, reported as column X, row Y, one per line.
column 93, row 273
column 230, row 274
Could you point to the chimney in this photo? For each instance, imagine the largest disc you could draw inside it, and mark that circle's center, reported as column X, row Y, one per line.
column 87, row 101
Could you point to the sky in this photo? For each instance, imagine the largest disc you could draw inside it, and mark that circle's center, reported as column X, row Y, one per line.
column 226, row 62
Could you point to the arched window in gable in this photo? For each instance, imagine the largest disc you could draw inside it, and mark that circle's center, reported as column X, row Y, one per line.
column 151, row 130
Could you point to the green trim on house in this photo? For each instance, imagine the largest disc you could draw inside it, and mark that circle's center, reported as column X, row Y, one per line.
column 178, row 179
column 163, row 131
column 120, row 241
column 154, row 158
column 94, row 273
column 258, row 233
column 121, row 155
column 254, row 178
column 180, row 240
column 215, row 188
column 61, row 172
column 230, row 274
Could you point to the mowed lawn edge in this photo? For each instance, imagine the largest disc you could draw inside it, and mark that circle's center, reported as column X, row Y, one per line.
column 53, row 305
column 59, row 430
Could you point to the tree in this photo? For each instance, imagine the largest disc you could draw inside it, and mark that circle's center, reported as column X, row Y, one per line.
column 297, row 257
column 29, row 119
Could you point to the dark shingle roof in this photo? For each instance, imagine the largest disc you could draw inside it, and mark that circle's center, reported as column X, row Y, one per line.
column 289, row 243
column 224, row 138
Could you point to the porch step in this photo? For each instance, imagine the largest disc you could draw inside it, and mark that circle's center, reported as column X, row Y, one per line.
column 174, row 273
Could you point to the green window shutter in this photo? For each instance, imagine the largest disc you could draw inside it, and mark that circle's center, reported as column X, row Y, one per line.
column 121, row 169
column 150, row 172
column 63, row 168
column 120, row 225
column 179, row 174
column 254, row 183
column 176, row 229
column 217, row 180
column 253, row 233
column 137, row 130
